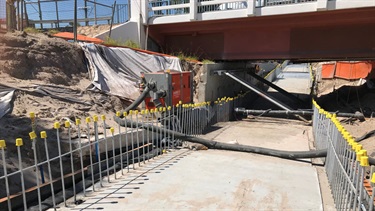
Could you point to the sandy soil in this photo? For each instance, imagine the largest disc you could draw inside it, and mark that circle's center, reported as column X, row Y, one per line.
column 27, row 60
column 351, row 96
column 36, row 59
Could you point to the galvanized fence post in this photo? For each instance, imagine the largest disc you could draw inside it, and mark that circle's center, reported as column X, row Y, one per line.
column 2, row 147
column 19, row 144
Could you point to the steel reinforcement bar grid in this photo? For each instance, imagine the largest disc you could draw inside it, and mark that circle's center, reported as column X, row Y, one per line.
column 85, row 157
column 346, row 163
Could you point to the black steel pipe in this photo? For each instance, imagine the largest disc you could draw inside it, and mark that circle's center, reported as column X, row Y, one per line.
column 269, row 112
column 291, row 155
column 149, row 86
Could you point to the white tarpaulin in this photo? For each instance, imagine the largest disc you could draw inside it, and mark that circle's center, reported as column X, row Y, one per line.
column 6, row 96
column 116, row 70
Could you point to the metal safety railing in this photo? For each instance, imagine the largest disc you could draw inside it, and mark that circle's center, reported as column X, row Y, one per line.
column 68, row 160
column 178, row 7
column 346, row 163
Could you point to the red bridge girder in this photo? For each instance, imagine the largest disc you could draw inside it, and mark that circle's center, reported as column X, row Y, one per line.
column 337, row 34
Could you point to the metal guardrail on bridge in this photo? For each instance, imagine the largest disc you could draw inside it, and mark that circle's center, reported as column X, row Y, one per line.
column 177, row 7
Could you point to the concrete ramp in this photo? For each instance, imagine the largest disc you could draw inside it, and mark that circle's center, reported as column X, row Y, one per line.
column 295, row 79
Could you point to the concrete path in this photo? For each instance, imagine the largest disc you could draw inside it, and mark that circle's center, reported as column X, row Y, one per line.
column 295, row 78
column 220, row 180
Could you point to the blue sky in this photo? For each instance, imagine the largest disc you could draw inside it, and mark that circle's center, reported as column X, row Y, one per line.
column 66, row 10
column 2, row 9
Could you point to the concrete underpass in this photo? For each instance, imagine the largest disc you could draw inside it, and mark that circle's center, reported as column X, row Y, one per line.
column 190, row 179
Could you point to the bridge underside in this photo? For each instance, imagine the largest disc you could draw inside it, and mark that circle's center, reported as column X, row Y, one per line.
column 338, row 34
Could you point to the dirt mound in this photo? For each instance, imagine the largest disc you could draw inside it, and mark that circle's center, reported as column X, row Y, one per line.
column 348, row 96
column 34, row 60
column 37, row 56
column 196, row 68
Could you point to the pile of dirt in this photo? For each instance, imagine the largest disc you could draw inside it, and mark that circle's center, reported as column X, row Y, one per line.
column 339, row 95
column 27, row 60
column 196, row 68
column 37, row 56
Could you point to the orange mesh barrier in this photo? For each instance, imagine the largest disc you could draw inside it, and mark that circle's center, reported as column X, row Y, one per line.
column 346, row 70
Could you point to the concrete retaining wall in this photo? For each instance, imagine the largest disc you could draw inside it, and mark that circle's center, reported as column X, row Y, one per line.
column 213, row 86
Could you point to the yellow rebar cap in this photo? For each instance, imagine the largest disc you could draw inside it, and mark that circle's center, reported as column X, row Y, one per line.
column 103, row 117
column 354, row 145
column 373, row 178
column 32, row 115
column 78, row 121
column 67, row 124
column 88, row 119
column 19, row 142
column 43, row 134
column 95, row 118
column 112, row 130
column 364, row 152
column 32, row 135
column 125, row 113
column 364, row 161
column 359, row 155
column 2, row 144
column 118, row 113
column 358, row 147
column 56, row 125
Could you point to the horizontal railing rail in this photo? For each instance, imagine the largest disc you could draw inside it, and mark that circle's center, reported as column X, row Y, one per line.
column 170, row 7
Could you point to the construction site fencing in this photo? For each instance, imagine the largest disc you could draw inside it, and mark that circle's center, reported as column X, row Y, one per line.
column 3, row 17
column 75, row 154
column 46, row 14
column 346, row 163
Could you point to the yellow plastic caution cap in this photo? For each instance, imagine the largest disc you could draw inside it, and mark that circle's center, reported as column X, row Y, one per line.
column 32, row 135
column 43, row 134
column 2, row 144
column 56, row 125
column 19, row 142
column 364, row 161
